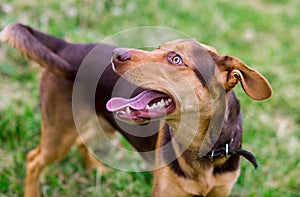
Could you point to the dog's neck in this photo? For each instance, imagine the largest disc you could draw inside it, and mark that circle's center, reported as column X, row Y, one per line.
column 187, row 152
column 191, row 130
column 189, row 134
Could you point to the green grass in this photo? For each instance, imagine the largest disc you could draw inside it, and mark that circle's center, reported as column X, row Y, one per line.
column 263, row 33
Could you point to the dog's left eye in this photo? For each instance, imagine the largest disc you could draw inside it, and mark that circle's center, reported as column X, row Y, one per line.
column 175, row 59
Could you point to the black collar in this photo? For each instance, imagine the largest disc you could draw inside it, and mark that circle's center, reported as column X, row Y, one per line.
column 224, row 151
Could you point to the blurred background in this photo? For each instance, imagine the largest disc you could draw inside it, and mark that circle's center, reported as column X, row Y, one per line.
column 262, row 33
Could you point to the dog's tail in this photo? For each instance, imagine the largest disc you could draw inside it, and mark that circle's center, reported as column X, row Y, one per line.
column 42, row 48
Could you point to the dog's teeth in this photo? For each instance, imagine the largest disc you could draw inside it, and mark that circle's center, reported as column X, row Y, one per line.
column 128, row 110
column 159, row 104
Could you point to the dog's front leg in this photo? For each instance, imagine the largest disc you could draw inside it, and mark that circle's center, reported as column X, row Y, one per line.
column 165, row 184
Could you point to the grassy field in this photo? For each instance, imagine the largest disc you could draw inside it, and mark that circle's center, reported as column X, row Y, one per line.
column 263, row 33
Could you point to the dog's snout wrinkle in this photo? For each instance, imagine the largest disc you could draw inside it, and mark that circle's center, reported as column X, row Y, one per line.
column 121, row 55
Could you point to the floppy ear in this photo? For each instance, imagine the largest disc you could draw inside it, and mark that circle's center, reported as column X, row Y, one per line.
column 234, row 70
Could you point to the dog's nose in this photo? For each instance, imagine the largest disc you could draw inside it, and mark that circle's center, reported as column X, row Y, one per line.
column 121, row 55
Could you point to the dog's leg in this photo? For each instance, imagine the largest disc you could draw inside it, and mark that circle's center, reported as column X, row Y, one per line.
column 50, row 150
column 89, row 160
column 224, row 183
column 90, row 133
column 58, row 131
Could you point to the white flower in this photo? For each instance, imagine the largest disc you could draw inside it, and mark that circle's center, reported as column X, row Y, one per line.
column 6, row 8
column 72, row 12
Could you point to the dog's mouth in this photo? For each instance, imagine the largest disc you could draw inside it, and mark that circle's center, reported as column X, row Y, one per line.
column 144, row 107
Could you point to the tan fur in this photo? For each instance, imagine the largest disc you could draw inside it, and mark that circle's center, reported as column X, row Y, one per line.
column 161, row 76
column 150, row 70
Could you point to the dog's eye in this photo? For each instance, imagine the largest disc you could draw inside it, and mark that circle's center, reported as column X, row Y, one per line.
column 175, row 59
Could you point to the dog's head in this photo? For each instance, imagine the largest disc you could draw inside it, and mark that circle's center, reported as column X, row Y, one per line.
column 179, row 76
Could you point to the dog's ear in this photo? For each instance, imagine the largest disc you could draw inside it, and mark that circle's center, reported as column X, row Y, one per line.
column 234, row 70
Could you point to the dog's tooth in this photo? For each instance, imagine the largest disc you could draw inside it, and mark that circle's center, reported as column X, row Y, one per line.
column 163, row 102
column 148, row 107
column 154, row 105
column 128, row 110
column 121, row 112
column 170, row 100
column 167, row 102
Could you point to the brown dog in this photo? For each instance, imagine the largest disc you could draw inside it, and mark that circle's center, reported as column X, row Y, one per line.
column 180, row 88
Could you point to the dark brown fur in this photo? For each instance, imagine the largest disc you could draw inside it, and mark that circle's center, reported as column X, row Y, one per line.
column 61, row 61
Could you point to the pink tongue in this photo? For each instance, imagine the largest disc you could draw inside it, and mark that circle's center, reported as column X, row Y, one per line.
column 139, row 102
